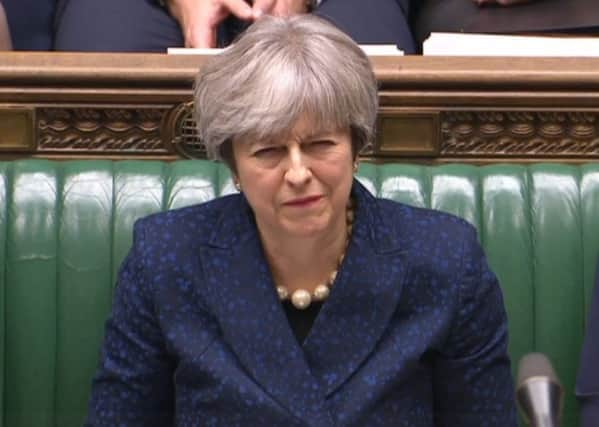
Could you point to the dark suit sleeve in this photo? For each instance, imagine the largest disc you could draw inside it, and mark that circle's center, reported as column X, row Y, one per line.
column 472, row 379
column 114, row 26
column 372, row 22
column 133, row 385
column 587, row 386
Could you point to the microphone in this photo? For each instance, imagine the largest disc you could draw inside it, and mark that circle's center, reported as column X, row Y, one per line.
column 539, row 392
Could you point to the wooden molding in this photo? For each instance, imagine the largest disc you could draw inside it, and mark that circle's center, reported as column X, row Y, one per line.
column 520, row 134
column 433, row 109
column 405, row 133
column 16, row 129
column 83, row 129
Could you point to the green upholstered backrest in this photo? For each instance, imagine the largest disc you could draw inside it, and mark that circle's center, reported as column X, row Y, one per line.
column 66, row 226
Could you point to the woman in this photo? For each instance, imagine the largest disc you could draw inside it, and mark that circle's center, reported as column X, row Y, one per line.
column 587, row 385
column 303, row 300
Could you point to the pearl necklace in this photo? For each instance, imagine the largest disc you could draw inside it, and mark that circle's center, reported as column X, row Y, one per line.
column 301, row 298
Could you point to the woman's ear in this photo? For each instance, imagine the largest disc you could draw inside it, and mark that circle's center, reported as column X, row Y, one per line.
column 237, row 183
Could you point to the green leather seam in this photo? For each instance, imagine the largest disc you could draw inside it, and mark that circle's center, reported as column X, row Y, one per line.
column 7, row 182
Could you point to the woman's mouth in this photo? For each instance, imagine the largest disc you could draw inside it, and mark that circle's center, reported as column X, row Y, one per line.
column 303, row 201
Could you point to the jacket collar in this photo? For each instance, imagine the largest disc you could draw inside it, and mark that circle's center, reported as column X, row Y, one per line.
column 348, row 327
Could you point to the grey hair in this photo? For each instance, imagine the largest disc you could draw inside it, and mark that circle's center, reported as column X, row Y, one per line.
column 277, row 71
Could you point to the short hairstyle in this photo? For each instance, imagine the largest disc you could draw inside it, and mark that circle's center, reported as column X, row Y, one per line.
column 277, row 71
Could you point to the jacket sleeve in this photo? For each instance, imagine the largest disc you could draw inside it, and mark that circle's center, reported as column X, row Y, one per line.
column 472, row 380
column 133, row 383
column 587, row 385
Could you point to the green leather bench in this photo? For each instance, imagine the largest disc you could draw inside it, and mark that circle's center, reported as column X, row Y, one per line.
column 66, row 226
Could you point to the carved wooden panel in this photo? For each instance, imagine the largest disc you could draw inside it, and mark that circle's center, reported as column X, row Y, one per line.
column 407, row 133
column 16, row 129
column 520, row 133
column 180, row 132
column 433, row 109
column 100, row 129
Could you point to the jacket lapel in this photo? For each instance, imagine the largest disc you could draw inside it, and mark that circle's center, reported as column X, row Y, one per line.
column 251, row 318
column 363, row 299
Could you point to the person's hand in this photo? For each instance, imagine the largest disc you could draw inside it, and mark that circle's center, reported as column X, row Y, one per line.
column 500, row 2
column 280, row 7
column 199, row 19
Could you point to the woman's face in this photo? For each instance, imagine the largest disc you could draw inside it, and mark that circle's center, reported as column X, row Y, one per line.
column 299, row 185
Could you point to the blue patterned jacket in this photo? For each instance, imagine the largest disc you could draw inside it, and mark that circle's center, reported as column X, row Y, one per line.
column 414, row 332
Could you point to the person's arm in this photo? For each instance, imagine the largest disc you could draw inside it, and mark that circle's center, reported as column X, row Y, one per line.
column 472, row 382
column 133, row 385
column 587, row 385
column 5, row 41
column 199, row 19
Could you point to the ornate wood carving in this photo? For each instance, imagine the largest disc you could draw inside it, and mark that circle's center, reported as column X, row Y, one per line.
column 100, row 129
column 463, row 133
column 180, row 132
column 520, row 133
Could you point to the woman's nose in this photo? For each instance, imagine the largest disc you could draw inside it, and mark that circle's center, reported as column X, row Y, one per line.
column 298, row 170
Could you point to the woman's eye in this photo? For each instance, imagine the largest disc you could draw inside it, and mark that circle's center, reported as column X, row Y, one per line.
column 266, row 151
column 324, row 143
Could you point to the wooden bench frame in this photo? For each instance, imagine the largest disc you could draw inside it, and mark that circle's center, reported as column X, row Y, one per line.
column 433, row 109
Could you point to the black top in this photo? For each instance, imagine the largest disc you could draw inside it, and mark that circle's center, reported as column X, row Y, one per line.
column 301, row 321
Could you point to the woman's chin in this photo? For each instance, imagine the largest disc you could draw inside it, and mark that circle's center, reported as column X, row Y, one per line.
column 305, row 228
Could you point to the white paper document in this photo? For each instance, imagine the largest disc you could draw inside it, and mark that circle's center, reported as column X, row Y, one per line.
column 461, row 44
column 193, row 51
column 369, row 49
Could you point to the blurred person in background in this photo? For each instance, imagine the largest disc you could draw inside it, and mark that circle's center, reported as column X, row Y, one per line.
column 155, row 25
column 31, row 23
column 5, row 41
column 503, row 17
column 587, row 385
